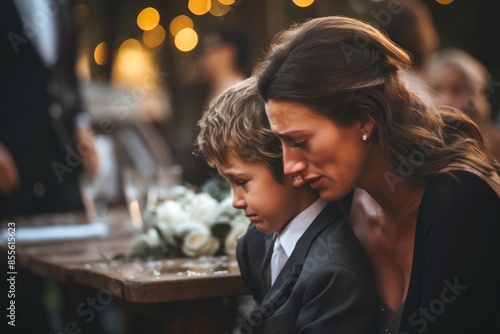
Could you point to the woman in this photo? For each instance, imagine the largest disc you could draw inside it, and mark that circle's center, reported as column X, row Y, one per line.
column 425, row 193
column 461, row 81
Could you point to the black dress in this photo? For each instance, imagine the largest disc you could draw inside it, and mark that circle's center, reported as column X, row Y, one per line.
column 455, row 279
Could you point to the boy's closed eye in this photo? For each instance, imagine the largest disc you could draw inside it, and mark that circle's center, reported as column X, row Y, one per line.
column 240, row 182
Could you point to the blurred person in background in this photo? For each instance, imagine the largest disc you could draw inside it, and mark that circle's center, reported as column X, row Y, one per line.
column 411, row 27
column 224, row 59
column 461, row 81
column 45, row 135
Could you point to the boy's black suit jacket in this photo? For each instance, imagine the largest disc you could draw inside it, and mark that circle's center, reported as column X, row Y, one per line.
column 326, row 286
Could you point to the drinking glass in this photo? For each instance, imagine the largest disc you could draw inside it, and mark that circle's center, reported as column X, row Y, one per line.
column 94, row 197
column 135, row 188
column 165, row 179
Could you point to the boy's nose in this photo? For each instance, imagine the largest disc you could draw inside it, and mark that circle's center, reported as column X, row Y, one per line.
column 239, row 201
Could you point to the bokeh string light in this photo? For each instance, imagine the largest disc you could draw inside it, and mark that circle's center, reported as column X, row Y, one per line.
column 219, row 9
column 101, row 53
column 131, row 63
column 199, row 7
column 148, row 18
column 186, row 39
column 154, row 37
column 179, row 23
column 303, row 3
column 444, row 2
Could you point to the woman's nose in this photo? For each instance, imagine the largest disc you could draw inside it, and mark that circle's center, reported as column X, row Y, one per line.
column 293, row 162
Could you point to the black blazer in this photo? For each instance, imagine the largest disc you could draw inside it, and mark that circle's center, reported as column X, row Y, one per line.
column 326, row 286
column 38, row 106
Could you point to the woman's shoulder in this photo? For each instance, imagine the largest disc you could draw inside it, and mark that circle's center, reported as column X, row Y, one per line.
column 459, row 193
column 461, row 182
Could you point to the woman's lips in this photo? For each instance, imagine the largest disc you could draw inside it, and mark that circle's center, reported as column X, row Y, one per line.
column 315, row 183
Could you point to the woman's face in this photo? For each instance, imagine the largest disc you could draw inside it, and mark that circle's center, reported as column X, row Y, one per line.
column 330, row 158
column 451, row 86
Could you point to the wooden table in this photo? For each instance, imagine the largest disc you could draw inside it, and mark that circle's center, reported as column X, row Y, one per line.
column 185, row 294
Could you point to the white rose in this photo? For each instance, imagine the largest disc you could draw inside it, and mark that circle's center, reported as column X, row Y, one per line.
column 170, row 212
column 167, row 232
column 202, row 208
column 183, row 194
column 183, row 228
column 197, row 243
column 197, row 239
column 232, row 237
column 149, row 240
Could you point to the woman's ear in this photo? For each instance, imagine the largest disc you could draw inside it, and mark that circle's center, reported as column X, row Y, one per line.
column 366, row 126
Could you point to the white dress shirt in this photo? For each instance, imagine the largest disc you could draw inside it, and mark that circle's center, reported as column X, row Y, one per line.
column 291, row 234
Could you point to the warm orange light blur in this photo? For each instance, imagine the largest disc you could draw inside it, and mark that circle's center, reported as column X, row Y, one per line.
column 131, row 44
column 132, row 63
column 129, row 63
column 186, row 39
column 148, row 18
column 218, row 9
column 227, row 2
column 179, row 23
column 444, row 2
column 199, row 7
column 101, row 53
column 303, row 3
column 154, row 37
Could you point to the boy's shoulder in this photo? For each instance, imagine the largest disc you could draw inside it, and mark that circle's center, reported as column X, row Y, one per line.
column 338, row 247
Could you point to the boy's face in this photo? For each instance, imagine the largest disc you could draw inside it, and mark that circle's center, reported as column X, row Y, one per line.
column 270, row 205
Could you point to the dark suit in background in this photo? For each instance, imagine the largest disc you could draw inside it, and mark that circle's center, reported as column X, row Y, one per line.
column 326, row 286
column 38, row 105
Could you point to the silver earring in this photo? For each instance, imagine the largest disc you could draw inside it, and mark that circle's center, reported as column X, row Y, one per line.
column 364, row 137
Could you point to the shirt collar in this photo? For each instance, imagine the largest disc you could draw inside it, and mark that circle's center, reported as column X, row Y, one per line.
column 294, row 230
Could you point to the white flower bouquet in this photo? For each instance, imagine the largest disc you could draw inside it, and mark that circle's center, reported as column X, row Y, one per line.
column 191, row 225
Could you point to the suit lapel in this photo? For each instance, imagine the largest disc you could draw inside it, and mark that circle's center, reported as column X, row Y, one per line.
column 290, row 273
column 265, row 278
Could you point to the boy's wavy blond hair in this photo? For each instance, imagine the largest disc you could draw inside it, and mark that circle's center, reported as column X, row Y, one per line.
column 236, row 123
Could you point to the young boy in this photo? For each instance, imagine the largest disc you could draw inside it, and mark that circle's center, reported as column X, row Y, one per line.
column 299, row 258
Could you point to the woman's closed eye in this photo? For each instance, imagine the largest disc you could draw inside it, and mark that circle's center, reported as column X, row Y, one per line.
column 300, row 144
